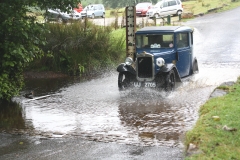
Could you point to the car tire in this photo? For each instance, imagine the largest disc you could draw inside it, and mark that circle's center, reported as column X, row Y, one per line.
column 93, row 16
column 123, row 81
column 156, row 15
column 103, row 16
column 179, row 12
column 170, row 81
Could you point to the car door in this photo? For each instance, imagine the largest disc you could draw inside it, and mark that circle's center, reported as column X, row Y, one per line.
column 164, row 9
column 97, row 10
column 184, row 53
column 172, row 7
column 100, row 8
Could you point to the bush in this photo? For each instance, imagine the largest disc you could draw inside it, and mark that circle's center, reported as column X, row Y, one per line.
column 80, row 47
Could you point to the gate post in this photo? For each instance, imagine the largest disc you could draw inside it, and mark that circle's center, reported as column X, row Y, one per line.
column 169, row 19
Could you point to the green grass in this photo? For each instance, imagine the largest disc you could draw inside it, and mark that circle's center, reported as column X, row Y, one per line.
column 202, row 6
column 209, row 135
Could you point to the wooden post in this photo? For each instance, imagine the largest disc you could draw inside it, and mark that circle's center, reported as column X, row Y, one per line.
column 130, row 30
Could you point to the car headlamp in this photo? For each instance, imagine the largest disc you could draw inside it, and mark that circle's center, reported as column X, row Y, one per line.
column 160, row 62
column 128, row 61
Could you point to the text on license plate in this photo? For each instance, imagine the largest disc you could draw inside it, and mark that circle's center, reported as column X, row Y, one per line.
column 145, row 84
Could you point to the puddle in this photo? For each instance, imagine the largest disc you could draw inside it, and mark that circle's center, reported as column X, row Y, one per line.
column 96, row 110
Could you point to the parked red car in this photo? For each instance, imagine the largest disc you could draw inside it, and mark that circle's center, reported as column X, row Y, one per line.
column 142, row 8
column 79, row 9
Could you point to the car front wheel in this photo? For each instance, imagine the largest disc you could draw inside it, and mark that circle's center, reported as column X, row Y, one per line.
column 103, row 16
column 123, row 81
column 170, row 81
column 156, row 15
column 179, row 12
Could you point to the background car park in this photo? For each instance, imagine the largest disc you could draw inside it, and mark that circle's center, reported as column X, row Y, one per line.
column 57, row 15
column 164, row 8
column 142, row 8
column 93, row 10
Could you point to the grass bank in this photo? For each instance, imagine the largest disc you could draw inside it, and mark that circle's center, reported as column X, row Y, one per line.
column 203, row 6
column 216, row 134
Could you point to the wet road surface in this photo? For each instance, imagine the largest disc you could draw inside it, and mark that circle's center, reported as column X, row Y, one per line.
column 146, row 122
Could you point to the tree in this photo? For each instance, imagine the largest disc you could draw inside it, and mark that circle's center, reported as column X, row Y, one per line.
column 20, row 40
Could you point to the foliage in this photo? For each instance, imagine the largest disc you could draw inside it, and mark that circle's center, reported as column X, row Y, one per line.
column 218, row 138
column 20, row 38
column 87, row 2
column 80, row 48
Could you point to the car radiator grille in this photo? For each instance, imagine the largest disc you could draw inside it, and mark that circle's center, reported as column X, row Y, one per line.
column 145, row 67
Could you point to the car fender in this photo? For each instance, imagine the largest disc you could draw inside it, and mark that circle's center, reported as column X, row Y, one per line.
column 168, row 67
column 126, row 68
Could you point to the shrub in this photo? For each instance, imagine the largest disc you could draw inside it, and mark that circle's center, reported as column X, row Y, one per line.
column 77, row 47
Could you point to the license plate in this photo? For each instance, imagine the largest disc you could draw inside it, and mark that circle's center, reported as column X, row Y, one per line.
column 144, row 84
column 150, row 84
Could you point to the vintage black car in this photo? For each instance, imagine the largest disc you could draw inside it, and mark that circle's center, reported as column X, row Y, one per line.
column 164, row 55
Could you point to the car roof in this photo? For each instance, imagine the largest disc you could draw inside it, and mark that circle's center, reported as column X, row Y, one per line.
column 95, row 5
column 157, row 29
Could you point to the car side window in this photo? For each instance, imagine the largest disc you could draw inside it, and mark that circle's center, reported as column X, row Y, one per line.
column 182, row 40
column 172, row 3
column 165, row 4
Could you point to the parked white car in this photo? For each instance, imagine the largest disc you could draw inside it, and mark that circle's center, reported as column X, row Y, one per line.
column 164, row 8
column 93, row 10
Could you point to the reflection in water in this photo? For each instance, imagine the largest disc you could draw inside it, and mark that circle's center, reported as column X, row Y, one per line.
column 154, row 121
column 153, row 118
column 43, row 86
column 11, row 116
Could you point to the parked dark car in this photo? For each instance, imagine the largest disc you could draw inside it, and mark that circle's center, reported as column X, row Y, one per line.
column 164, row 55
column 142, row 8
column 58, row 16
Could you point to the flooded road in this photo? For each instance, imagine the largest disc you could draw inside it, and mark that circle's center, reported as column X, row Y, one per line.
column 96, row 111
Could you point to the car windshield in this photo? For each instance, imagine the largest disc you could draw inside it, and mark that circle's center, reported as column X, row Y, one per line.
column 154, row 40
column 157, row 5
column 142, row 5
column 154, row 7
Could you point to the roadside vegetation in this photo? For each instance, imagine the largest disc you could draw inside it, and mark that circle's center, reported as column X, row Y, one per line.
column 203, row 6
column 216, row 134
column 81, row 48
